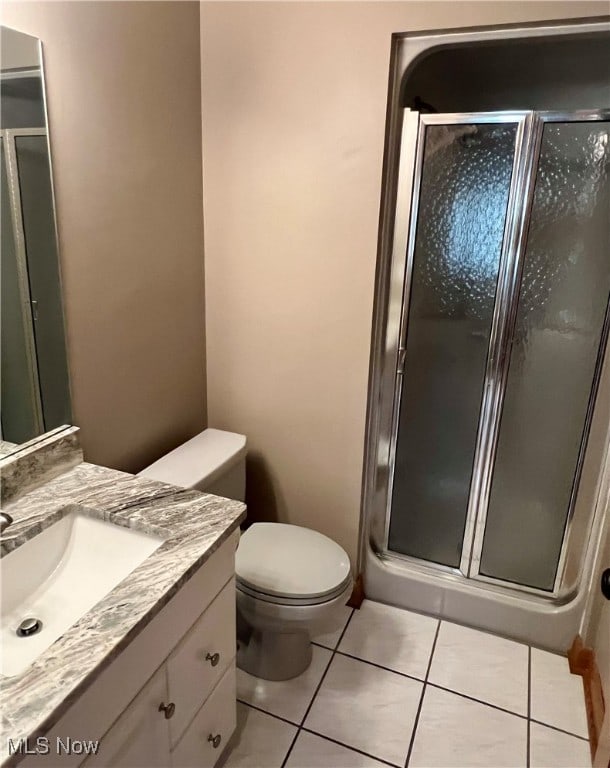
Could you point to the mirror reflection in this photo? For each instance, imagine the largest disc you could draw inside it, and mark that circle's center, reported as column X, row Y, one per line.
column 35, row 393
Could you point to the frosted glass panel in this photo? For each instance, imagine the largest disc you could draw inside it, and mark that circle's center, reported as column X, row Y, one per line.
column 462, row 211
column 563, row 299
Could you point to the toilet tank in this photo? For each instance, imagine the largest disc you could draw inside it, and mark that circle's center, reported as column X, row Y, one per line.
column 213, row 461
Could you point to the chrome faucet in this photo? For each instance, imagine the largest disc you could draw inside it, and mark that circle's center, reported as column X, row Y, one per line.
column 5, row 521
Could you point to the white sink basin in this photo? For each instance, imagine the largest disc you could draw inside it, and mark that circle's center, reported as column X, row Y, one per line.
column 59, row 575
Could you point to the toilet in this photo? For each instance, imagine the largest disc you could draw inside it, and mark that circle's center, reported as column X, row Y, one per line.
column 291, row 581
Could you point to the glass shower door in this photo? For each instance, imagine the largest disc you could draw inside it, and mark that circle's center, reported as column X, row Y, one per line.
column 556, row 352
column 464, row 174
column 503, row 333
column 37, row 214
column 20, row 403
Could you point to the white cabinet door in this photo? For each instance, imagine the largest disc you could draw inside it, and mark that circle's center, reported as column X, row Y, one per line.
column 208, row 734
column 198, row 663
column 140, row 737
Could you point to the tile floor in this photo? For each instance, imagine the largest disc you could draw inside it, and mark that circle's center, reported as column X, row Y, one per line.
column 392, row 687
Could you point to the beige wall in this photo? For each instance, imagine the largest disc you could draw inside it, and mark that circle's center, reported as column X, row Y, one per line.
column 294, row 99
column 123, row 86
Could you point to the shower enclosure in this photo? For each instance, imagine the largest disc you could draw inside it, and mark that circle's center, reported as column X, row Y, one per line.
column 35, row 394
column 489, row 358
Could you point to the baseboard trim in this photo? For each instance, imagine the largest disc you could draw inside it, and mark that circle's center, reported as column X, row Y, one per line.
column 357, row 597
column 582, row 662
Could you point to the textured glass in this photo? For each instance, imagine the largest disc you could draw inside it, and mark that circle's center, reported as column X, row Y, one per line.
column 462, row 211
column 563, row 299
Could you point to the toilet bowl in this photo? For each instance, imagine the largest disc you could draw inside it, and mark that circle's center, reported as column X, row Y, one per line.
column 291, row 581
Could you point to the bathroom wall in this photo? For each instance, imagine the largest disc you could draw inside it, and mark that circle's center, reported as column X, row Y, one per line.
column 123, row 87
column 294, row 100
column 18, row 52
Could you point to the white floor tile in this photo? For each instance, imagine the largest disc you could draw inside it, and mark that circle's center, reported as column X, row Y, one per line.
column 330, row 639
column 312, row 751
column 454, row 732
column 368, row 708
column 557, row 696
column 553, row 749
column 288, row 698
column 259, row 740
column 392, row 637
column 484, row 666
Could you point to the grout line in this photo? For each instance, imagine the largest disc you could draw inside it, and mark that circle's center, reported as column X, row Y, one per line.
column 429, row 667
column 315, row 733
column 266, row 712
column 352, row 749
column 559, row 730
column 380, row 666
column 421, row 698
column 478, row 701
column 320, row 645
column 333, row 652
column 344, row 630
column 425, row 682
column 315, row 693
column 529, row 703
column 489, row 632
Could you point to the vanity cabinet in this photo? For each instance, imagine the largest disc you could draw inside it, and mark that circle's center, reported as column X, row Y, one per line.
column 185, row 714
column 169, row 699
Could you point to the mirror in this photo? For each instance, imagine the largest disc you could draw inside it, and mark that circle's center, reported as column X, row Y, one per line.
column 34, row 385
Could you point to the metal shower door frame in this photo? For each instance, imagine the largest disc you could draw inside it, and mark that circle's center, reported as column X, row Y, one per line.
column 530, row 127
column 9, row 136
column 407, row 198
column 540, row 120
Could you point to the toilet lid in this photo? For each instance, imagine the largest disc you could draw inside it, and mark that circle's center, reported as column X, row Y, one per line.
column 290, row 561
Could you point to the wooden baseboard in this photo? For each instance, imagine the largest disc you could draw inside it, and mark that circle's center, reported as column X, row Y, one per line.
column 357, row 597
column 582, row 662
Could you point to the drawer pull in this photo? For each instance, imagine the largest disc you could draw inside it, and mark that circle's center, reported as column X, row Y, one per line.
column 168, row 709
column 215, row 740
column 213, row 658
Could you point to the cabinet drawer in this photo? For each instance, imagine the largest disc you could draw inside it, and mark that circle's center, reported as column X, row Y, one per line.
column 139, row 737
column 215, row 719
column 201, row 659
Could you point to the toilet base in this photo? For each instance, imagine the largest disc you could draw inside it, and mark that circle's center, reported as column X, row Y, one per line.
column 274, row 655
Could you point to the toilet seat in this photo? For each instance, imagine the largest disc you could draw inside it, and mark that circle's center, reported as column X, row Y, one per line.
column 296, row 601
column 290, row 565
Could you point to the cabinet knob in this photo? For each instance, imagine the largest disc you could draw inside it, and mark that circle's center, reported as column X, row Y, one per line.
column 215, row 740
column 168, row 709
column 213, row 658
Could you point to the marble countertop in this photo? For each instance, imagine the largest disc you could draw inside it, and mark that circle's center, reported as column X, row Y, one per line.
column 6, row 448
column 193, row 526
